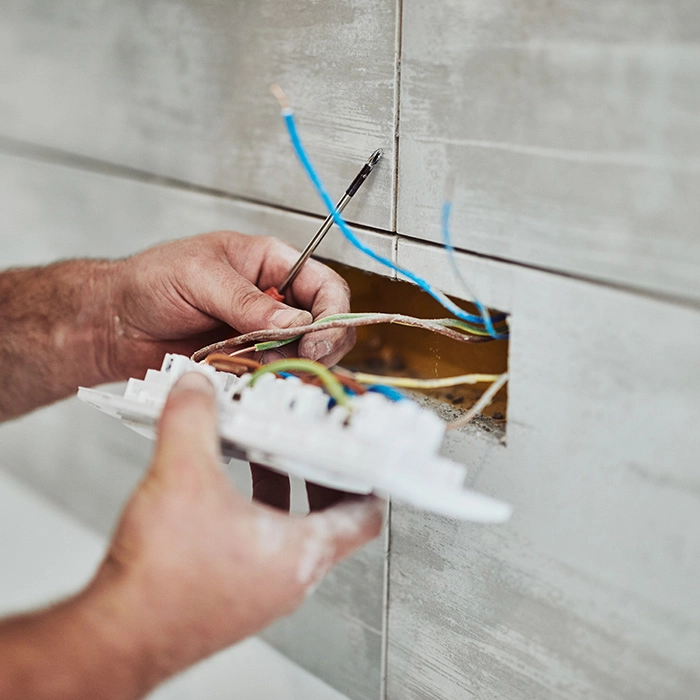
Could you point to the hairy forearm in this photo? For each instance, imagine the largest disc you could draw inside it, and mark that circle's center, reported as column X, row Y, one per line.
column 52, row 332
column 81, row 649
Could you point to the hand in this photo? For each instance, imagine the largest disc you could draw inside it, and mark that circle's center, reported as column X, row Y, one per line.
column 193, row 565
column 185, row 294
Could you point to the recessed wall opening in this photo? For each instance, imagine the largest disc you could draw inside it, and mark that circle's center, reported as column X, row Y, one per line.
column 412, row 352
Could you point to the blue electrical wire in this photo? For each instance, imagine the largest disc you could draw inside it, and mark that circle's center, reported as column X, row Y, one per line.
column 300, row 151
column 388, row 391
column 447, row 241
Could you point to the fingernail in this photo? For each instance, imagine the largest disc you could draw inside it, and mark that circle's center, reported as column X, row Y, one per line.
column 285, row 318
column 193, row 381
column 362, row 507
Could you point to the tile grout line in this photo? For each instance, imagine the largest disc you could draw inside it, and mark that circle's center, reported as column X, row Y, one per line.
column 49, row 155
column 383, row 670
column 398, row 49
column 398, row 46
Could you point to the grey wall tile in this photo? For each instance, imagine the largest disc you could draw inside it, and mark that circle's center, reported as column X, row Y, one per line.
column 88, row 463
column 181, row 89
column 566, row 136
column 591, row 589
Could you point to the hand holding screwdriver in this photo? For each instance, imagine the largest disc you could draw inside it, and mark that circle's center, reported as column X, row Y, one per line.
column 277, row 293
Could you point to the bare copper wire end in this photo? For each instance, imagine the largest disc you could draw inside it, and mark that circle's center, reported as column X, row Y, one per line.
column 278, row 92
column 242, row 351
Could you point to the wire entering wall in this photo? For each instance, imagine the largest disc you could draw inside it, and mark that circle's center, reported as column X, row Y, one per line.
column 268, row 339
column 462, row 328
column 440, row 297
column 447, row 241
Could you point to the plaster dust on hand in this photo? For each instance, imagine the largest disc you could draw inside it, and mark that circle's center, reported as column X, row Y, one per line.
column 316, row 556
column 272, row 534
column 338, row 523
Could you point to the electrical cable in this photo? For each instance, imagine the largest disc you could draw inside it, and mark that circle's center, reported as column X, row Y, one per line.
column 480, row 405
column 288, row 116
column 267, row 339
column 446, row 322
column 388, row 391
column 330, row 381
column 447, row 241
column 412, row 383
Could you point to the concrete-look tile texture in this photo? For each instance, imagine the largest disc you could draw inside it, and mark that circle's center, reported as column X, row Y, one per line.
column 567, row 137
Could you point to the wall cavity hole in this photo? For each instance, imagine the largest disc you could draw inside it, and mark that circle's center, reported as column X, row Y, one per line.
column 411, row 352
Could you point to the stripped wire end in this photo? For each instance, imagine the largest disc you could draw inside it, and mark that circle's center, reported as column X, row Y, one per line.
column 242, row 351
column 344, row 228
column 281, row 97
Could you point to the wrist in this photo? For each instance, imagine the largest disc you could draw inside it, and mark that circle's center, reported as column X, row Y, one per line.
column 55, row 332
column 116, row 626
column 104, row 321
column 88, row 646
column 121, row 350
column 125, row 346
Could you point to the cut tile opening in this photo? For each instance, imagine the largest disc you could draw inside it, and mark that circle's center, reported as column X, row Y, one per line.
column 411, row 352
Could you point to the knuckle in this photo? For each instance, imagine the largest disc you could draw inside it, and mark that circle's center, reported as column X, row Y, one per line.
column 247, row 298
column 272, row 245
column 279, row 250
column 343, row 285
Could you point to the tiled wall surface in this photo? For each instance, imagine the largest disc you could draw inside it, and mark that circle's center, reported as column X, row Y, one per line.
column 567, row 136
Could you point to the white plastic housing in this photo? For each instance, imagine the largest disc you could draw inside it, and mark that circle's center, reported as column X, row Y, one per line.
column 380, row 446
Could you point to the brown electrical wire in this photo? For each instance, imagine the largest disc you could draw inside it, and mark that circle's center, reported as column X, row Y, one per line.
column 234, row 365
column 285, row 333
column 351, row 383
column 347, row 382
column 241, row 365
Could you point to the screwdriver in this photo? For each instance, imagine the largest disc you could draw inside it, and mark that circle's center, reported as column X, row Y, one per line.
column 278, row 293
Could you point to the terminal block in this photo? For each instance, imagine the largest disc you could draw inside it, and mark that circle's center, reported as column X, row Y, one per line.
column 390, row 448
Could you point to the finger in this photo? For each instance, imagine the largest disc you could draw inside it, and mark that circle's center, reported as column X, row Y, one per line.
column 324, row 292
column 280, row 353
column 187, row 429
column 221, row 292
column 264, row 260
column 321, row 497
column 328, row 347
column 269, row 487
column 333, row 534
column 316, row 288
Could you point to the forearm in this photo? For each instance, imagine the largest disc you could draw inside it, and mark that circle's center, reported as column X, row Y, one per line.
column 53, row 332
column 80, row 649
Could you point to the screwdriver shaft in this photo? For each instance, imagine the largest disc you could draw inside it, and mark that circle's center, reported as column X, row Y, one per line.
column 325, row 226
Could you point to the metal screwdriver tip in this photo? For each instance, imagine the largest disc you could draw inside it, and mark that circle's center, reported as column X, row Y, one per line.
column 326, row 225
column 374, row 158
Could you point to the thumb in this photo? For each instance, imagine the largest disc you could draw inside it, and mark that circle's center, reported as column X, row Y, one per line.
column 225, row 294
column 335, row 533
column 256, row 310
column 188, row 436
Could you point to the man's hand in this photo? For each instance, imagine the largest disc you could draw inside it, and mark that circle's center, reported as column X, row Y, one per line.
column 185, row 294
column 193, row 567
column 86, row 322
column 203, row 567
